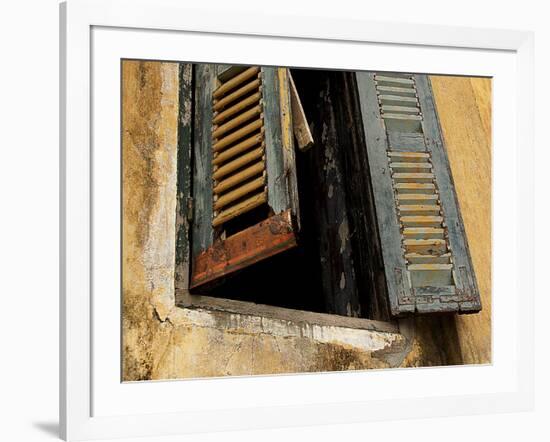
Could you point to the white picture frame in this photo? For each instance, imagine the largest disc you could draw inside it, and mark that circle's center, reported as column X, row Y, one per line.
column 93, row 404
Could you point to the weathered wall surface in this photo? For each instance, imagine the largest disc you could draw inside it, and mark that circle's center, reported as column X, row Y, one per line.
column 464, row 106
column 161, row 341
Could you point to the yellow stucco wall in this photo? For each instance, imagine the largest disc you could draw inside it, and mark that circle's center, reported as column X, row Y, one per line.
column 162, row 341
column 464, row 107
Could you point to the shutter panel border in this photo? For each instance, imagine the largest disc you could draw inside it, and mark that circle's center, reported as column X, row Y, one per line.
column 399, row 290
column 202, row 231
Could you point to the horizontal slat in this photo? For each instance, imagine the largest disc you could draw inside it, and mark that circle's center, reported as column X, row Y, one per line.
column 415, row 188
column 390, row 90
column 237, row 135
column 421, row 221
column 237, row 121
column 247, row 88
column 413, row 177
column 429, row 267
column 236, row 81
column 419, row 210
column 400, row 109
column 394, row 80
column 417, row 258
column 416, row 198
column 397, row 100
column 237, row 149
column 390, row 116
column 426, row 246
column 239, row 192
column 238, row 163
column 239, row 177
column 423, row 233
column 236, row 108
column 238, row 209
column 410, row 167
column 408, row 157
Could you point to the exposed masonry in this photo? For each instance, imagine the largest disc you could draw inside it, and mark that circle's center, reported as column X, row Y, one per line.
column 367, row 340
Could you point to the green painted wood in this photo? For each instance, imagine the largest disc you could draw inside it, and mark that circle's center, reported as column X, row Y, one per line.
column 397, row 281
column 202, row 231
column 282, row 189
column 184, row 175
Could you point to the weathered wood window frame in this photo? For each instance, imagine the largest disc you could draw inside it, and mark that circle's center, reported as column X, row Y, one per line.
column 381, row 146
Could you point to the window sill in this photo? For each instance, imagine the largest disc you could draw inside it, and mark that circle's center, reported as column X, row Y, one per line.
column 185, row 299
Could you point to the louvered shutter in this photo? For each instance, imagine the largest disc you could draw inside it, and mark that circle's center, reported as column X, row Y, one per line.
column 424, row 249
column 243, row 162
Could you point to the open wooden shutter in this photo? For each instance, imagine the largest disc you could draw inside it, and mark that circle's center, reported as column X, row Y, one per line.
column 424, row 249
column 244, row 177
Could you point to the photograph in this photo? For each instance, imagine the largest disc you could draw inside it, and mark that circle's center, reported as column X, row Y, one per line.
column 289, row 220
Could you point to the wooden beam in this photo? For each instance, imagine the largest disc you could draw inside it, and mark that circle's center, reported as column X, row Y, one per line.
column 299, row 121
column 247, row 247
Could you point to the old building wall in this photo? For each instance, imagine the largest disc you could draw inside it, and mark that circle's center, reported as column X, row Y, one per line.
column 464, row 106
column 162, row 341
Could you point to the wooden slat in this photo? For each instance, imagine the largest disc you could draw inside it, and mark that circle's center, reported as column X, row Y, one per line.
column 237, row 135
column 236, row 108
column 408, row 157
column 415, row 188
column 237, row 121
column 249, row 87
column 426, row 246
column 416, row 198
column 419, row 210
column 238, row 163
column 421, row 221
column 236, row 81
column 390, row 90
column 429, row 267
column 423, row 233
column 410, row 167
column 239, row 192
column 239, row 177
column 238, row 148
column 400, row 109
column 390, row 116
column 413, row 177
column 418, row 258
column 397, row 80
column 397, row 100
column 299, row 121
column 240, row 208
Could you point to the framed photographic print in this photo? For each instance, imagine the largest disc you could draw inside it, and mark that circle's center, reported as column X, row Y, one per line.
column 282, row 222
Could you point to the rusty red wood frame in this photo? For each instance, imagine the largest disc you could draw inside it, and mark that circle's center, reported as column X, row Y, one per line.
column 254, row 244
